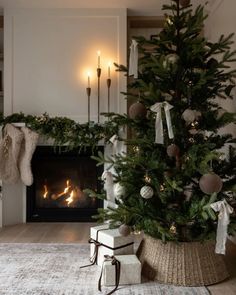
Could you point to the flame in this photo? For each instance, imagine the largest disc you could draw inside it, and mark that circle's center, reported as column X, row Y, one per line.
column 45, row 192
column 68, row 186
column 70, row 199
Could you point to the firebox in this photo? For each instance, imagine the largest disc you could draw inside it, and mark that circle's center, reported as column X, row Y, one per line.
column 60, row 178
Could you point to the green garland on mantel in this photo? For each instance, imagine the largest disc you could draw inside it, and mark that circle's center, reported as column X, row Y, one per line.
column 66, row 132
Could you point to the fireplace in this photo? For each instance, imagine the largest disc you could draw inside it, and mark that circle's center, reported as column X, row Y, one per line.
column 60, row 177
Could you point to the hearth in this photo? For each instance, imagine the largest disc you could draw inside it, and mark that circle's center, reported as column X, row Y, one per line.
column 60, row 177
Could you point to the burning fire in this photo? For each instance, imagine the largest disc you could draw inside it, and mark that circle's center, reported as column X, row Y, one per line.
column 66, row 190
column 70, row 199
column 69, row 196
column 45, row 192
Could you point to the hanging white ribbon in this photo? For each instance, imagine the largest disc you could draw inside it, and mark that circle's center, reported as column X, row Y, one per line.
column 107, row 177
column 133, row 59
column 224, row 210
column 159, row 125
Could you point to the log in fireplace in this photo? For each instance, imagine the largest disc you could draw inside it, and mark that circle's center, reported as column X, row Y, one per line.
column 60, row 177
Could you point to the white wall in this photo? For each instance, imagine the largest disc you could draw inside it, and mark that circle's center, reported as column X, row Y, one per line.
column 222, row 20
column 47, row 55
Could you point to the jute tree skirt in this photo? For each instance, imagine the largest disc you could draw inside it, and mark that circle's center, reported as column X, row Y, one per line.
column 185, row 264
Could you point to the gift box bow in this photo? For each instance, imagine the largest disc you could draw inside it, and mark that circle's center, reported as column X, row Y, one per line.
column 117, row 264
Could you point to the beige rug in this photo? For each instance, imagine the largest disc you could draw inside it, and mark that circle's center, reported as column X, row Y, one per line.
column 53, row 269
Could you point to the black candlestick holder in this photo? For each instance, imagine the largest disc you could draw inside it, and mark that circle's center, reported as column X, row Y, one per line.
column 99, row 71
column 88, row 91
column 108, row 94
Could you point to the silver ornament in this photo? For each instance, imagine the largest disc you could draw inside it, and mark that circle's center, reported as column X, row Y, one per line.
column 146, row 192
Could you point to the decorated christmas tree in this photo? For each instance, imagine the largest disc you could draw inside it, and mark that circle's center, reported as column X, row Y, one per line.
column 178, row 173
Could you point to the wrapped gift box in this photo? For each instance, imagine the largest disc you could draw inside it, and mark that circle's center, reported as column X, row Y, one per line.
column 130, row 271
column 112, row 243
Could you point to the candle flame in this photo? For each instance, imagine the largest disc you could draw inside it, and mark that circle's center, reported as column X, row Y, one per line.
column 99, row 52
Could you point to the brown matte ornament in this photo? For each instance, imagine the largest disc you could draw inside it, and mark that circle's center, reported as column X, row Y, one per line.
column 189, row 115
column 184, row 3
column 137, row 111
column 124, row 230
column 210, row 183
column 172, row 150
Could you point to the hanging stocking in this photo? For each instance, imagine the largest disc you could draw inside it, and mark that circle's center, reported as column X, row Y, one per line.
column 28, row 148
column 9, row 154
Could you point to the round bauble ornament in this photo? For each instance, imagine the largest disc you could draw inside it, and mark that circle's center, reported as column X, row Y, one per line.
column 172, row 150
column 124, row 230
column 210, row 183
column 118, row 190
column 184, row 3
column 146, row 192
column 170, row 59
column 189, row 115
column 137, row 111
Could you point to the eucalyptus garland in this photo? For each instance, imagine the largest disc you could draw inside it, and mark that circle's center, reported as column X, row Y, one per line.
column 66, row 132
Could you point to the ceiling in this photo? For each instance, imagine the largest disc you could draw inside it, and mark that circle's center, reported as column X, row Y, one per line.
column 135, row 7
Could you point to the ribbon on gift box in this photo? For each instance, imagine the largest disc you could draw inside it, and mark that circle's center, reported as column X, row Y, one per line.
column 157, row 108
column 115, row 262
column 224, row 210
column 97, row 244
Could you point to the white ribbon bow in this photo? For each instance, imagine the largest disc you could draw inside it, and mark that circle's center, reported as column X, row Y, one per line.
column 159, row 125
column 133, row 59
column 107, row 177
column 224, row 210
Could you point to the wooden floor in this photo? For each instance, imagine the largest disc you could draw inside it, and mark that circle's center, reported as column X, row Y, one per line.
column 79, row 233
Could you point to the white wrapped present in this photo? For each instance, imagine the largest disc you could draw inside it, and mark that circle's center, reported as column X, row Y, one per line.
column 105, row 241
column 120, row 270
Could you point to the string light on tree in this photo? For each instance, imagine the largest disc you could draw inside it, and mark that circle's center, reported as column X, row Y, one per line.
column 173, row 229
column 147, row 178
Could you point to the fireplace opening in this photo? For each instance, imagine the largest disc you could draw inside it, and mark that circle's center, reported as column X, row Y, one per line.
column 59, row 180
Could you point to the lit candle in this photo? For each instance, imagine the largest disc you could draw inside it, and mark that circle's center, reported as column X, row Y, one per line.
column 99, row 54
column 109, row 70
column 88, row 80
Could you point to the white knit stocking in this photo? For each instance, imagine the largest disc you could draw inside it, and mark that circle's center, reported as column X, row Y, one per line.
column 9, row 154
column 27, row 150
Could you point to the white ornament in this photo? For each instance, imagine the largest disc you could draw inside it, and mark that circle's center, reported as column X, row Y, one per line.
column 118, row 190
column 170, row 59
column 157, row 108
column 107, row 177
column 133, row 59
column 146, row 192
column 224, row 210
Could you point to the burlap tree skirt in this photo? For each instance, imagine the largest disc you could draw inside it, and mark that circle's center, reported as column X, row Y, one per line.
column 185, row 264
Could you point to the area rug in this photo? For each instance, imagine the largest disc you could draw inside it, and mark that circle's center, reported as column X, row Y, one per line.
column 54, row 269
